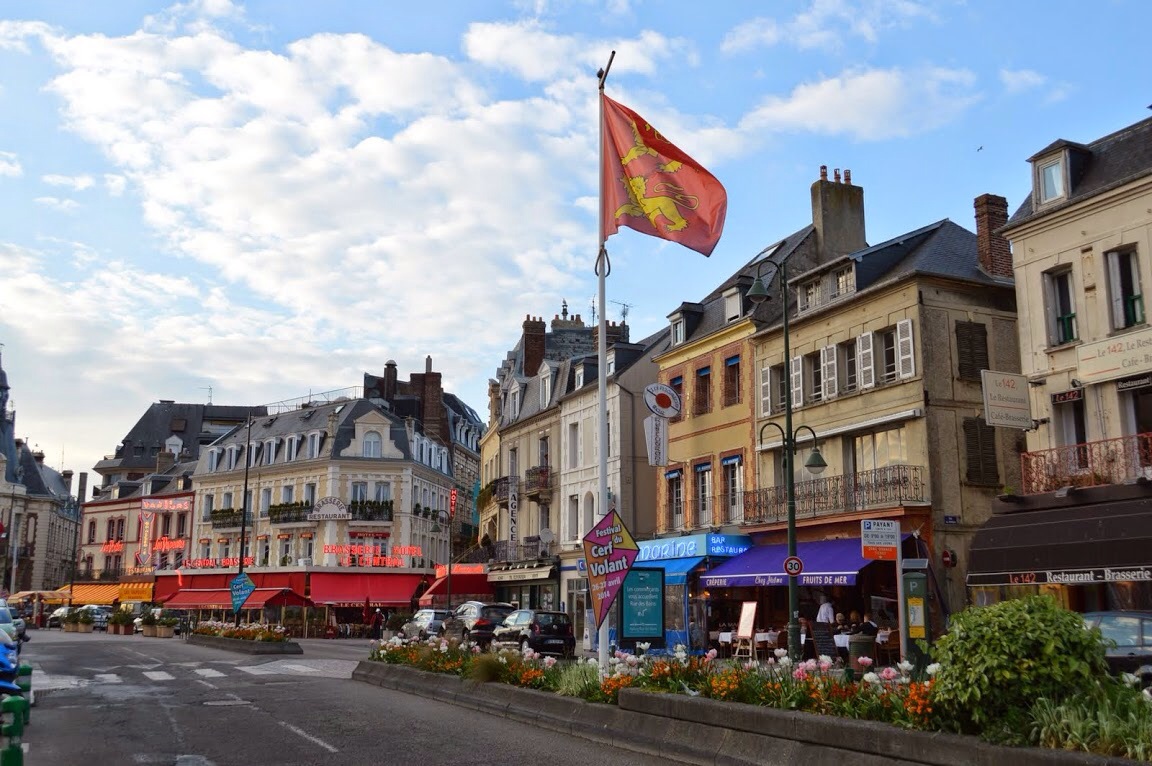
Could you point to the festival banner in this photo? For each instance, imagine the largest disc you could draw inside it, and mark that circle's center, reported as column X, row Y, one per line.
column 609, row 550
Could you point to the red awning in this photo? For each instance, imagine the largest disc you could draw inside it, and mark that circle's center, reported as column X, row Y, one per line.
column 222, row 599
column 383, row 589
column 474, row 584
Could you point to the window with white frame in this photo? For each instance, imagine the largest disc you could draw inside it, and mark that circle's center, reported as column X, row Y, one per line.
column 1050, row 180
column 205, row 550
column 314, row 444
column 1124, row 289
column 611, row 361
column 371, row 445
column 573, row 445
column 846, row 366
column 1061, row 306
column 253, row 454
column 733, row 307
column 233, row 455
column 310, row 493
column 843, row 282
column 675, row 486
column 270, row 451
column 287, row 493
column 677, row 332
column 514, row 402
column 579, row 377
column 1071, row 429
column 572, row 531
column 733, row 489
column 293, row 447
column 545, row 387
column 813, row 378
column 808, row 295
column 265, row 500
column 359, row 491
column 226, row 501
column 213, row 459
column 383, row 491
column 703, row 499
column 286, row 550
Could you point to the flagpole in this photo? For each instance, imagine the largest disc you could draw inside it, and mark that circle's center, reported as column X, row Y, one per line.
column 602, row 267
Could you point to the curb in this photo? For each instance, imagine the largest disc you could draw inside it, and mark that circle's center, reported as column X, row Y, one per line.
column 714, row 733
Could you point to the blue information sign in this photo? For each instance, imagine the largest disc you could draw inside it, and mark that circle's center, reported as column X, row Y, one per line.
column 241, row 586
column 642, row 603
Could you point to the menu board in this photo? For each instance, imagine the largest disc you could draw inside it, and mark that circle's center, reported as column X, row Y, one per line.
column 642, row 604
column 822, row 636
column 747, row 620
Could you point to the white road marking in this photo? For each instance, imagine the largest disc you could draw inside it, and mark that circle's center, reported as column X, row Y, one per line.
column 159, row 675
column 206, row 683
column 307, row 736
column 209, row 673
column 108, row 678
column 256, row 670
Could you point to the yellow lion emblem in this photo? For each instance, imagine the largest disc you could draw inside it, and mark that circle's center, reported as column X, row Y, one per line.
column 640, row 149
column 659, row 204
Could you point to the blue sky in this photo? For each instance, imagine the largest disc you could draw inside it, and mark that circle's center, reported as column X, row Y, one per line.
column 272, row 198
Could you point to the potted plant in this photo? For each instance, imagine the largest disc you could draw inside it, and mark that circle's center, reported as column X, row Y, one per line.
column 72, row 622
column 85, row 621
column 120, row 623
column 166, row 627
column 148, row 624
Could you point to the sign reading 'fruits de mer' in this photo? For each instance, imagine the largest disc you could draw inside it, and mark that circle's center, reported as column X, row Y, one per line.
column 609, row 550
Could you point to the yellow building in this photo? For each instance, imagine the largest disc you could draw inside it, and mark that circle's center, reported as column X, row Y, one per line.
column 887, row 343
column 1080, row 522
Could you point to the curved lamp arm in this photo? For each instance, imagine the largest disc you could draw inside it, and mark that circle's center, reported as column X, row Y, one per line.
column 815, row 462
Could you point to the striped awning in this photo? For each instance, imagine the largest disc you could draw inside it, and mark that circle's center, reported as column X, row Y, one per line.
column 93, row 593
column 135, row 591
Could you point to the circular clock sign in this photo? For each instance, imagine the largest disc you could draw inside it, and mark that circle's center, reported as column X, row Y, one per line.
column 662, row 400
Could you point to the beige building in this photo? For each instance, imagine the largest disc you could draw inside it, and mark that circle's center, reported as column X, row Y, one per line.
column 1080, row 522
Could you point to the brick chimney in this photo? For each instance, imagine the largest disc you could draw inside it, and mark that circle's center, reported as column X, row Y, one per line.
column 164, row 461
column 83, row 486
column 993, row 250
column 535, row 330
column 837, row 215
column 432, row 403
column 66, row 477
column 390, row 380
column 615, row 333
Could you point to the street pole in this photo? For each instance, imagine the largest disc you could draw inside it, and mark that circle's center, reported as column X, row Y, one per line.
column 794, row 649
column 244, row 505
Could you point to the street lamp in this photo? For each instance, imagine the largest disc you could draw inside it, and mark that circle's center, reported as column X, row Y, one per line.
column 244, row 507
column 758, row 293
column 447, row 519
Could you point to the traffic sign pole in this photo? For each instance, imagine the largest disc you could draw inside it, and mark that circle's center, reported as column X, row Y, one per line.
column 900, row 621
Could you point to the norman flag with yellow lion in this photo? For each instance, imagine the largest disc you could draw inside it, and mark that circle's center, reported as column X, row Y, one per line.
column 652, row 186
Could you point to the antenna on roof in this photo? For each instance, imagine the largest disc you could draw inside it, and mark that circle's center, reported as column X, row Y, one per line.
column 623, row 310
column 593, row 308
column 209, row 390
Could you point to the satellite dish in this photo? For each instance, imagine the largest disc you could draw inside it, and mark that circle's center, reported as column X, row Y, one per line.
column 546, row 536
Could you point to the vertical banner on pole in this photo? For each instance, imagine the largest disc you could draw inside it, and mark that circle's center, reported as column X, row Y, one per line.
column 609, row 550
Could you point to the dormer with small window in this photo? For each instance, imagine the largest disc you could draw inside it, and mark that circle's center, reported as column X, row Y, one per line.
column 514, row 401
column 578, row 383
column 683, row 322
column 825, row 288
column 545, row 385
column 1055, row 171
column 733, row 304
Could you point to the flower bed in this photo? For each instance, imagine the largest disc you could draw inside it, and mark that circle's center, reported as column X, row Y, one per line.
column 1068, row 702
column 246, row 631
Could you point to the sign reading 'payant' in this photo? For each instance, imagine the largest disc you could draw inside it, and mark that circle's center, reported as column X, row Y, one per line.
column 609, row 550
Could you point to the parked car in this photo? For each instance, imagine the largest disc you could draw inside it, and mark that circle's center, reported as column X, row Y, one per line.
column 100, row 615
column 1132, row 634
column 541, row 631
column 425, row 623
column 475, row 620
column 56, row 619
column 8, row 623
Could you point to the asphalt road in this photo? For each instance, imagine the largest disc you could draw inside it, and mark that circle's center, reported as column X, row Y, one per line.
column 127, row 700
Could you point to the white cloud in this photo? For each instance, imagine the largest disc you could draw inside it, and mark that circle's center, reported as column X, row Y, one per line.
column 1017, row 80
column 76, row 183
column 10, row 165
column 870, row 104
column 115, row 184
column 826, row 24
column 56, row 203
column 15, row 34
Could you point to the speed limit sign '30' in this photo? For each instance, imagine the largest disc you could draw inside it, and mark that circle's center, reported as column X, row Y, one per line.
column 793, row 566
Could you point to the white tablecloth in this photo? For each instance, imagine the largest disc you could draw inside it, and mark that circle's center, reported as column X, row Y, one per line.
column 841, row 640
column 767, row 638
column 726, row 638
column 882, row 636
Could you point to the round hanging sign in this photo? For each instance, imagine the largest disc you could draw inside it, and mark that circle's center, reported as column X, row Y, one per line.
column 662, row 400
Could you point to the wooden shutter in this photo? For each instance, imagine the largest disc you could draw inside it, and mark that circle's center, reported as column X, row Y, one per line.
column 905, row 352
column 865, row 366
column 971, row 349
column 765, row 389
column 829, row 384
column 797, row 381
column 1116, row 293
column 980, row 451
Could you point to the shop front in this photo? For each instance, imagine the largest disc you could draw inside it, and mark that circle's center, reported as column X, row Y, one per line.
column 527, row 585
column 469, row 582
column 1091, row 549
column 683, row 560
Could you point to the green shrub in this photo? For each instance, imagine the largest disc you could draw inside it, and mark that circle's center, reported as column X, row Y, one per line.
column 86, row 617
column 1116, row 721
column 486, row 668
column 120, row 617
column 72, row 618
column 148, row 618
column 997, row 661
column 577, row 679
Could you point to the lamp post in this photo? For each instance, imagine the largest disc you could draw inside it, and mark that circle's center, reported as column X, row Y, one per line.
column 244, row 505
column 758, row 293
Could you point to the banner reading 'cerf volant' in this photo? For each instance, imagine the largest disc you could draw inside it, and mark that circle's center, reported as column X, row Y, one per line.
column 609, row 550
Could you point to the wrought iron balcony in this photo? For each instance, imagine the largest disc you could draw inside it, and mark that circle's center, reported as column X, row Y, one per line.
column 538, row 482
column 228, row 518
column 883, row 487
column 1091, row 464
column 289, row 513
column 371, row 510
column 531, row 549
column 503, row 488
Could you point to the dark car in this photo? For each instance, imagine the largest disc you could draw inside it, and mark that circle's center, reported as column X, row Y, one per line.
column 425, row 623
column 540, row 631
column 476, row 620
column 1132, row 634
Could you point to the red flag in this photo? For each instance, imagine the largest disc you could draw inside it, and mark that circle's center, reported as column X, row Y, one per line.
column 651, row 186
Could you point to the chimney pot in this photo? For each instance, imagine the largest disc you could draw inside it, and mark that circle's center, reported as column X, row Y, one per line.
column 848, row 176
column 823, row 172
column 836, row 175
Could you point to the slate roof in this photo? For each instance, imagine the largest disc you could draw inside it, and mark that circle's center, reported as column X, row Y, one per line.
column 1104, row 164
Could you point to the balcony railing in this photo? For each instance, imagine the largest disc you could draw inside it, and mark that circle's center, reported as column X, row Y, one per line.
column 530, row 549
column 888, row 486
column 224, row 519
column 1092, row 464
column 289, row 513
column 503, row 488
column 110, row 575
column 538, row 481
column 371, row 510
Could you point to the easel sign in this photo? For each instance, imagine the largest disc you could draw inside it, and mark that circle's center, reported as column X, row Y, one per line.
column 746, row 629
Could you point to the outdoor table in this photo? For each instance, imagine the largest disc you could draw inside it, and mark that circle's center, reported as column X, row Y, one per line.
column 841, row 640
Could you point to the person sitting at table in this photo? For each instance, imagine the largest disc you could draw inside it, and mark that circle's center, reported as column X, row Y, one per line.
column 853, row 621
column 867, row 627
column 841, row 625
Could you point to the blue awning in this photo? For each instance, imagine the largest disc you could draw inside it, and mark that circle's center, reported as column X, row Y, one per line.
column 826, row 562
column 675, row 570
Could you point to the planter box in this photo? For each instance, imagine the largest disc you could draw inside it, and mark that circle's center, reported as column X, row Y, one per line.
column 84, row 627
column 165, row 631
column 71, row 627
column 148, row 631
column 246, row 647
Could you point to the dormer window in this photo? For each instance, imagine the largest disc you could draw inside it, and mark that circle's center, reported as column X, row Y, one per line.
column 733, row 308
column 1050, row 180
column 677, row 331
column 545, row 388
column 514, row 402
column 579, row 377
column 611, row 362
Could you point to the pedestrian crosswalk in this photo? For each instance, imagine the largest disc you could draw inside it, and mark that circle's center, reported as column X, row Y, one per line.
column 55, row 678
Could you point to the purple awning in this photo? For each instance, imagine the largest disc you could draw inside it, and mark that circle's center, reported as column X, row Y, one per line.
column 826, row 562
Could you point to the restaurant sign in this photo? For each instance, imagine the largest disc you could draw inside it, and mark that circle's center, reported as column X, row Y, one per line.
column 329, row 509
column 1118, row 357
column 1063, row 576
column 217, row 563
column 692, row 546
